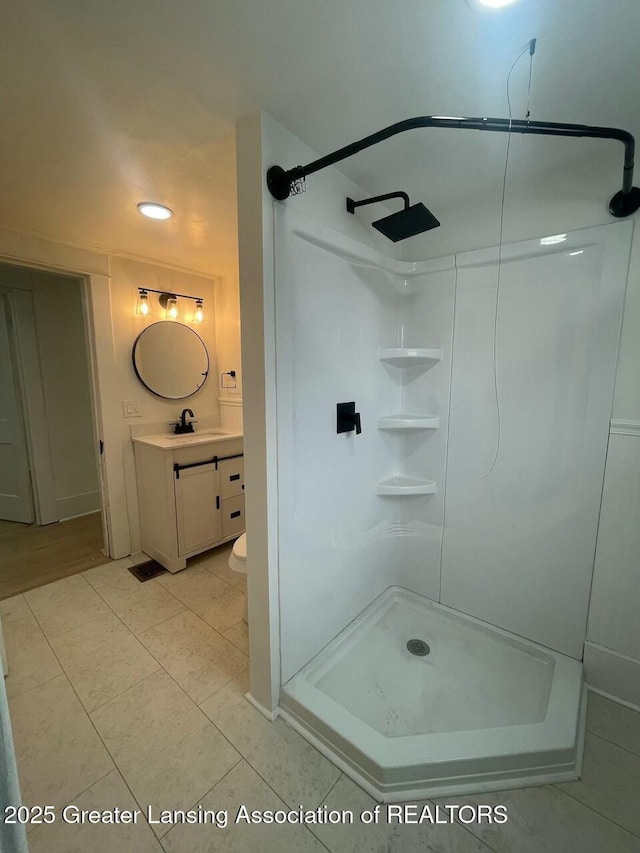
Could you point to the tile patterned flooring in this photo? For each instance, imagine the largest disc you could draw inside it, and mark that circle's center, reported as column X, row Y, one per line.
column 127, row 695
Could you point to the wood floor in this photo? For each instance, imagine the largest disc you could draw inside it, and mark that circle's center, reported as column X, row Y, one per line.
column 31, row 556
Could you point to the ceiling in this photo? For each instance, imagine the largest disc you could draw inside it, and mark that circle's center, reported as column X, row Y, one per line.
column 106, row 104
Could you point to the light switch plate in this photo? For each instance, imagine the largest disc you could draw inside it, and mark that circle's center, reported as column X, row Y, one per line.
column 132, row 409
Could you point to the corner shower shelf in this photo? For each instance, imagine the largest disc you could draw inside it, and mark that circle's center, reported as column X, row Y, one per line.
column 406, row 421
column 401, row 485
column 407, row 357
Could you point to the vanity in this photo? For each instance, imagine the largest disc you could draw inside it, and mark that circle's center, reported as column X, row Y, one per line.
column 190, row 493
column 190, row 484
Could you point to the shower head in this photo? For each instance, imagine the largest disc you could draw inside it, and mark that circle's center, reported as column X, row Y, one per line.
column 411, row 220
column 406, row 223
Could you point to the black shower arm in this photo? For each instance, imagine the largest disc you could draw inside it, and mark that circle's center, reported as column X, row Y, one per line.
column 351, row 204
column 625, row 202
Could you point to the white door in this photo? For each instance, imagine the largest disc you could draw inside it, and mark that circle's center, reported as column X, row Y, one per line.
column 16, row 502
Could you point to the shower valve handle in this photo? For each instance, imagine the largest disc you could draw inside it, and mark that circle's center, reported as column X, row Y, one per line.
column 348, row 419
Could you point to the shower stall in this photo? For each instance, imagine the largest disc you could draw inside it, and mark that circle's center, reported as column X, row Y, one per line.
column 434, row 569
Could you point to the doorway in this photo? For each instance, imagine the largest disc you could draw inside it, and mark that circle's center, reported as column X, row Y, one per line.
column 50, row 496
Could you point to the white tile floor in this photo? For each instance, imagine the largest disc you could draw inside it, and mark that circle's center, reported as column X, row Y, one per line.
column 131, row 695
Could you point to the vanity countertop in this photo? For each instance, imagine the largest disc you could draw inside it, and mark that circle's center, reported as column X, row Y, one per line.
column 170, row 441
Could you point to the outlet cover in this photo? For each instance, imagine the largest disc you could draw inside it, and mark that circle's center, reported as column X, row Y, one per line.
column 131, row 409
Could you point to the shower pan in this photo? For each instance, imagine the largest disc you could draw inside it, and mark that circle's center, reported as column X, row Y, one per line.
column 392, row 538
column 483, row 710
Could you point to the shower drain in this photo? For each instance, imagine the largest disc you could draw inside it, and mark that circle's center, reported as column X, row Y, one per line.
column 418, row 647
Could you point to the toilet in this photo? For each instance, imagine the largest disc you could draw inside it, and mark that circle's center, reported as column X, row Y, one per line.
column 238, row 562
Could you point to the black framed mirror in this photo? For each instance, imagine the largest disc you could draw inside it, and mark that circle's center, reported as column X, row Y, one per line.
column 171, row 360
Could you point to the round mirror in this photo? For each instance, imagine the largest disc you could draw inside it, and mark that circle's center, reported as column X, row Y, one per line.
column 171, row 360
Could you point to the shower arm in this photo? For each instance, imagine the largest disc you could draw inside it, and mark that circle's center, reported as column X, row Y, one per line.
column 624, row 203
column 351, row 204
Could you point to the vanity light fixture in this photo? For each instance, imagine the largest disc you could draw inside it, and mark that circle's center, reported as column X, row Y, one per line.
column 169, row 302
column 155, row 211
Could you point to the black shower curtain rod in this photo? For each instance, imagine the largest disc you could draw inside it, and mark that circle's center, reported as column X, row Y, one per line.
column 624, row 203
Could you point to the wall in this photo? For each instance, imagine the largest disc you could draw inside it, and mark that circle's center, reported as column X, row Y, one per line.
column 110, row 306
column 612, row 652
column 126, row 276
column 227, row 306
column 262, row 142
column 58, row 366
column 336, row 537
column 559, row 202
column 556, row 203
column 524, row 492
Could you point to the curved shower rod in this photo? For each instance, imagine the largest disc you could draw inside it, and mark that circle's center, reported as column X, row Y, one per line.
column 624, row 203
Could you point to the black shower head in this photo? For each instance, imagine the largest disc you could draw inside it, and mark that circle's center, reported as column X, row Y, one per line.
column 412, row 220
column 406, row 223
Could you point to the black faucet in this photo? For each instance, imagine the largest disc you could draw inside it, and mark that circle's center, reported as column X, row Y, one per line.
column 182, row 425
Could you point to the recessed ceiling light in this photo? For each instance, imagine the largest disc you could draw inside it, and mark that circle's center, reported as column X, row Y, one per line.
column 551, row 241
column 490, row 4
column 155, row 211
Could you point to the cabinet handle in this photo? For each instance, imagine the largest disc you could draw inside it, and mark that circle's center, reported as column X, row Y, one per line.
column 217, row 501
column 236, row 514
column 234, row 477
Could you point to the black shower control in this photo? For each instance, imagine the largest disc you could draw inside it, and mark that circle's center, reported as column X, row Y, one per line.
column 348, row 419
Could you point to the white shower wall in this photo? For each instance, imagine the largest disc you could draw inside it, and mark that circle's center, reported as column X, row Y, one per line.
column 518, row 545
column 337, row 304
column 426, row 320
column 520, row 539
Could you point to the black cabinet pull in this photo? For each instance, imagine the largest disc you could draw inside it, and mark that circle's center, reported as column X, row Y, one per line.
column 236, row 514
column 216, row 459
column 234, row 477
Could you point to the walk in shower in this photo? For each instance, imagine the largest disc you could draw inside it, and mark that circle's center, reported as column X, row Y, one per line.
column 463, row 516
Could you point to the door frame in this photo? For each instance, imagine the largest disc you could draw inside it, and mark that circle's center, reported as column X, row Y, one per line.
column 96, row 305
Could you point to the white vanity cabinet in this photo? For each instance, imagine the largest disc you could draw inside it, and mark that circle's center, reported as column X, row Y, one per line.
column 190, row 493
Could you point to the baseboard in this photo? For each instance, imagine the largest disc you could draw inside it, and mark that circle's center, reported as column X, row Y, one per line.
column 612, row 674
column 270, row 715
column 75, row 505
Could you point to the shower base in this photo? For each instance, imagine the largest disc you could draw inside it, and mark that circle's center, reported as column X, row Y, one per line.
column 481, row 710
